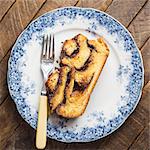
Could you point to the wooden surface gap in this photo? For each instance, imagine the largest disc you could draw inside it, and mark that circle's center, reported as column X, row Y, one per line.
column 7, row 10
column 147, row 83
column 137, row 13
column 141, row 48
column 135, row 139
column 140, row 26
column 3, row 101
column 6, row 54
column 10, row 25
column 14, row 130
column 146, row 86
column 16, row 39
column 76, row 3
column 143, row 140
column 110, row 2
column 136, row 121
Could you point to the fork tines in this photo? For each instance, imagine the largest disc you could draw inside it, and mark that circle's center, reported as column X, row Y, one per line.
column 48, row 47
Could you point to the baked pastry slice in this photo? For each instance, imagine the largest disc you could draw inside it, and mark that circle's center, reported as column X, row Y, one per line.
column 69, row 88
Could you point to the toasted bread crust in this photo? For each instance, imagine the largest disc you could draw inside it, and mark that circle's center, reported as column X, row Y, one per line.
column 71, row 101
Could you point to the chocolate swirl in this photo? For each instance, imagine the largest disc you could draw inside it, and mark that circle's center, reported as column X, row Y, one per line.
column 81, row 62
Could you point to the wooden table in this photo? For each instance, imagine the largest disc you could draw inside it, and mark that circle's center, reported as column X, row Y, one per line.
column 15, row 15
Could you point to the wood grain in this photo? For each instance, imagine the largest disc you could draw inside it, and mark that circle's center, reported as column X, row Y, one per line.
column 143, row 141
column 146, row 60
column 140, row 27
column 15, row 21
column 125, row 10
column 9, row 118
column 20, row 139
column 4, row 7
column 142, row 110
column 3, row 80
column 98, row 4
column 53, row 4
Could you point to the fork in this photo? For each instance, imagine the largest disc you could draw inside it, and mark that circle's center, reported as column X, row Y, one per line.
column 47, row 64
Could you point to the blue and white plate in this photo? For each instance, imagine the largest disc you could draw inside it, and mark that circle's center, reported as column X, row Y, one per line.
column 116, row 93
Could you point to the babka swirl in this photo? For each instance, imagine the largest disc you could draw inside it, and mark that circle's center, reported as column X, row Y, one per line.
column 69, row 87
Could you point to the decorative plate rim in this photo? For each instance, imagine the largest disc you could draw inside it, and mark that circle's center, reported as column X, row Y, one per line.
column 140, row 56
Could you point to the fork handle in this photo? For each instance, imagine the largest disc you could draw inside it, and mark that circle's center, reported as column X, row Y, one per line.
column 42, row 123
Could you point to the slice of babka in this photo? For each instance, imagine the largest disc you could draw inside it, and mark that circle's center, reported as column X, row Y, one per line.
column 69, row 87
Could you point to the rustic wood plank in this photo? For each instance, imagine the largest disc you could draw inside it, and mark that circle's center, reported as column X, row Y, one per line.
column 3, row 76
column 52, row 4
column 15, row 21
column 9, row 118
column 129, row 131
column 142, row 110
column 125, row 10
column 4, row 7
column 140, row 27
column 98, row 4
column 143, row 141
column 23, row 137
column 146, row 60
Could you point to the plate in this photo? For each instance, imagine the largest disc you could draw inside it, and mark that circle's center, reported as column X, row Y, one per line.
column 116, row 93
